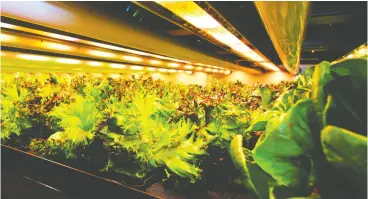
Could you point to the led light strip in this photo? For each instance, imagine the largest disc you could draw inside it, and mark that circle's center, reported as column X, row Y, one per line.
column 109, row 52
column 77, row 64
column 199, row 18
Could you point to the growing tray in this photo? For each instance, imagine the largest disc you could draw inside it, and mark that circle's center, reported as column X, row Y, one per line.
column 71, row 182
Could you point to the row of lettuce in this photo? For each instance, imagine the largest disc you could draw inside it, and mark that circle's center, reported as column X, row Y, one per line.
column 302, row 138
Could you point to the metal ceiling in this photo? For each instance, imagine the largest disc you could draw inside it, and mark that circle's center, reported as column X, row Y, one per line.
column 334, row 28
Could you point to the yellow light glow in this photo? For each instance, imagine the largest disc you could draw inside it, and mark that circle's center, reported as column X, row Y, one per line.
column 254, row 56
column 2, row 54
column 6, row 25
column 151, row 69
column 171, row 70
column 180, row 71
column 199, row 68
column 137, row 67
column 350, row 56
column 155, row 62
column 57, row 46
column 132, row 51
column 203, row 22
column 115, row 76
column 5, row 37
column 164, row 70
column 221, row 71
column 215, row 70
column 97, row 74
column 101, row 53
column 33, row 57
column 189, row 72
column 227, row 72
column 227, row 38
column 133, row 59
column 68, row 61
column 174, row 65
column 111, row 47
column 242, row 49
column 117, row 66
column 270, row 66
column 363, row 51
column 62, row 37
column 198, row 17
column 188, row 67
column 208, row 70
column 94, row 63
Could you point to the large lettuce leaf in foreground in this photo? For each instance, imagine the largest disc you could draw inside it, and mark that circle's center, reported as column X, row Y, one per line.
column 346, row 153
column 348, row 91
column 287, row 140
column 345, row 149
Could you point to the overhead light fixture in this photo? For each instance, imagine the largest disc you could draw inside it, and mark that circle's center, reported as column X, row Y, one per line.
column 151, row 69
column 6, row 25
column 119, row 66
column 188, row 67
column 56, row 46
column 101, row 53
column 132, row 58
column 227, row 72
column 33, row 57
column 196, row 16
column 268, row 65
column 94, row 63
column 189, row 72
column 173, row 65
column 155, row 62
column 136, row 67
column 88, row 51
column 68, row 61
column 5, row 37
column 202, row 21
column 62, row 37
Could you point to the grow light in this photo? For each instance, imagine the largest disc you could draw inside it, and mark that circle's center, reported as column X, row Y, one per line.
column 40, row 41
column 133, row 59
column 188, row 67
column 68, row 61
column 5, row 37
column 155, row 62
column 57, row 46
column 195, row 15
column 173, row 65
column 137, row 67
column 94, row 63
column 101, row 53
column 117, row 66
column 33, row 57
